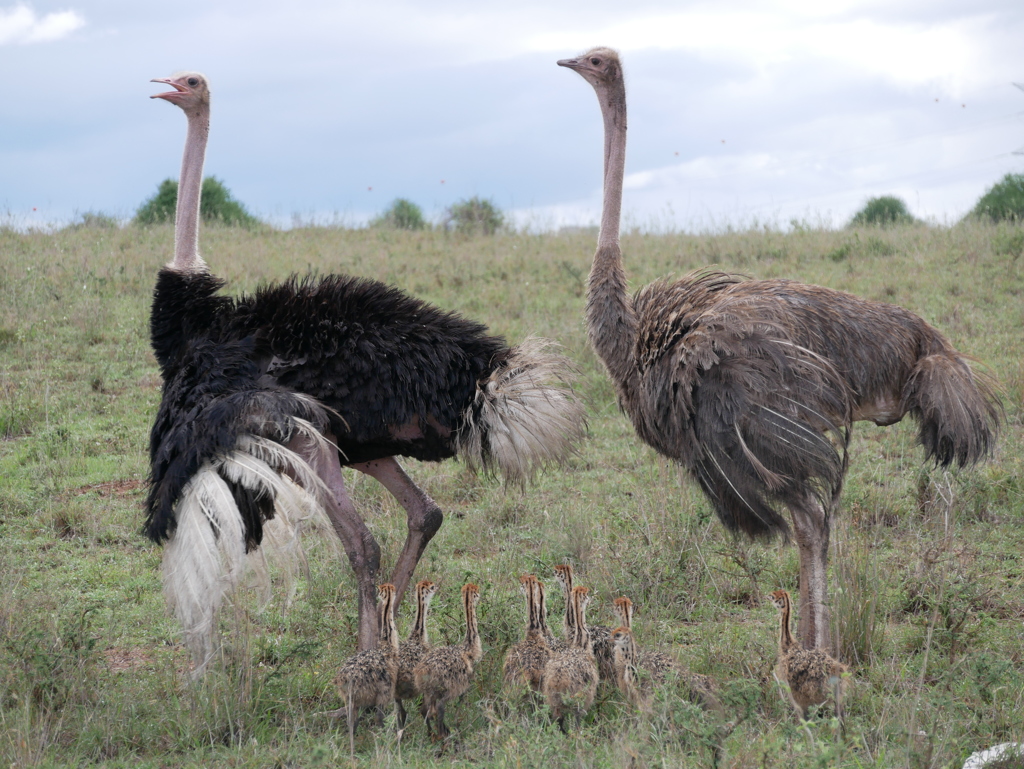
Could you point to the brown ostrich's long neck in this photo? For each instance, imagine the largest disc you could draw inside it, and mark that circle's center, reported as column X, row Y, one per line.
column 611, row 319
column 190, row 187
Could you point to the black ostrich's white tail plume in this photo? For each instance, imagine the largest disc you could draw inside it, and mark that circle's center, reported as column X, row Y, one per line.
column 525, row 413
column 206, row 558
column 228, row 489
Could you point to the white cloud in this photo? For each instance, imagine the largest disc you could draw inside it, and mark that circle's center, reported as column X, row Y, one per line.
column 904, row 52
column 21, row 24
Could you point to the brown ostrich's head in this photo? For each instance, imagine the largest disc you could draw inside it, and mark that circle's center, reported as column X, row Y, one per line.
column 599, row 66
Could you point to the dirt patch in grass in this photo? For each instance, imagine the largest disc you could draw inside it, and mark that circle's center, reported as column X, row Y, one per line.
column 119, row 660
column 119, row 488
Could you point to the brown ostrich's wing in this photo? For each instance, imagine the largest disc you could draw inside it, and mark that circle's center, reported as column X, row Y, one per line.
column 757, row 419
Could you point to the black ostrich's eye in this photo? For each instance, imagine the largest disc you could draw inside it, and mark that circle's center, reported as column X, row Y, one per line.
column 193, row 81
column 595, row 61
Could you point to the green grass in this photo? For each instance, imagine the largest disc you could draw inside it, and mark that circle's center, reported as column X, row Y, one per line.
column 927, row 574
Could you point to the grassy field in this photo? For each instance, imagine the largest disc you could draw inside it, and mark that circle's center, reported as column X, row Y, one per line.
column 927, row 575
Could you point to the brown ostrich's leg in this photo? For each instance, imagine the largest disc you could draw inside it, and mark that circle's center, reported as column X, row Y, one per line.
column 811, row 524
column 359, row 543
column 424, row 516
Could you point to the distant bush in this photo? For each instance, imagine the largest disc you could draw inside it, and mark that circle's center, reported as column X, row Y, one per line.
column 474, row 216
column 883, row 211
column 402, row 215
column 217, row 205
column 1004, row 201
column 1009, row 243
column 95, row 220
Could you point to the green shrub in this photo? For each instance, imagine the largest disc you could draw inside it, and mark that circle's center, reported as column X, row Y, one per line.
column 474, row 216
column 401, row 215
column 1003, row 201
column 883, row 211
column 1009, row 242
column 95, row 220
column 217, row 205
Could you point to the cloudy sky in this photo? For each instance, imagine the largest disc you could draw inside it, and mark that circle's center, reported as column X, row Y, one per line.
column 740, row 112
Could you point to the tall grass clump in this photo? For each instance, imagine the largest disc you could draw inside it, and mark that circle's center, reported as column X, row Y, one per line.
column 1003, row 201
column 857, row 614
column 218, row 205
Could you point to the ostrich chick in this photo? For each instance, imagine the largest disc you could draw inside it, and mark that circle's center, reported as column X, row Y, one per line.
column 570, row 675
column 638, row 672
column 444, row 673
column 367, row 679
column 599, row 634
column 413, row 649
column 810, row 675
column 525, row 661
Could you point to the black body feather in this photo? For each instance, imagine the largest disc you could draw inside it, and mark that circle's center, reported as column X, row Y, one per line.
column 216, row 395
column 395, row 374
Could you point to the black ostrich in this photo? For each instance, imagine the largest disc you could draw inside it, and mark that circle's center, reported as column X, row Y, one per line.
column 268, row 396
column 753, row 385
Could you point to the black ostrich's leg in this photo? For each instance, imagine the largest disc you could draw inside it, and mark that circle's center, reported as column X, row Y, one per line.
column 424, row 516
column 359, row 543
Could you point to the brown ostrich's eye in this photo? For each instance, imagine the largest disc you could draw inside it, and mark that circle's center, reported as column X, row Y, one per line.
column 193, row 81
column 595, row 61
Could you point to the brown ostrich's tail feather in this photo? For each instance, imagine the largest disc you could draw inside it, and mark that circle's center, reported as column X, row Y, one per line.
column 957, row 409
column 524, row 415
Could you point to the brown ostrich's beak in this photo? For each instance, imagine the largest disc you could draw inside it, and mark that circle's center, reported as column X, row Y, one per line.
column 570, row 63
column 170, row 96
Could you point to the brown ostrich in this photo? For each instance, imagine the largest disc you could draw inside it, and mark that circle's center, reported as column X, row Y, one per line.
column 290, row 384
column 753, row 385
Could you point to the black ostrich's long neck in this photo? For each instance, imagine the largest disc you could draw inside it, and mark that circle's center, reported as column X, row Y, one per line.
column 184, row 299
column 611, row 319
column 190, row 187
